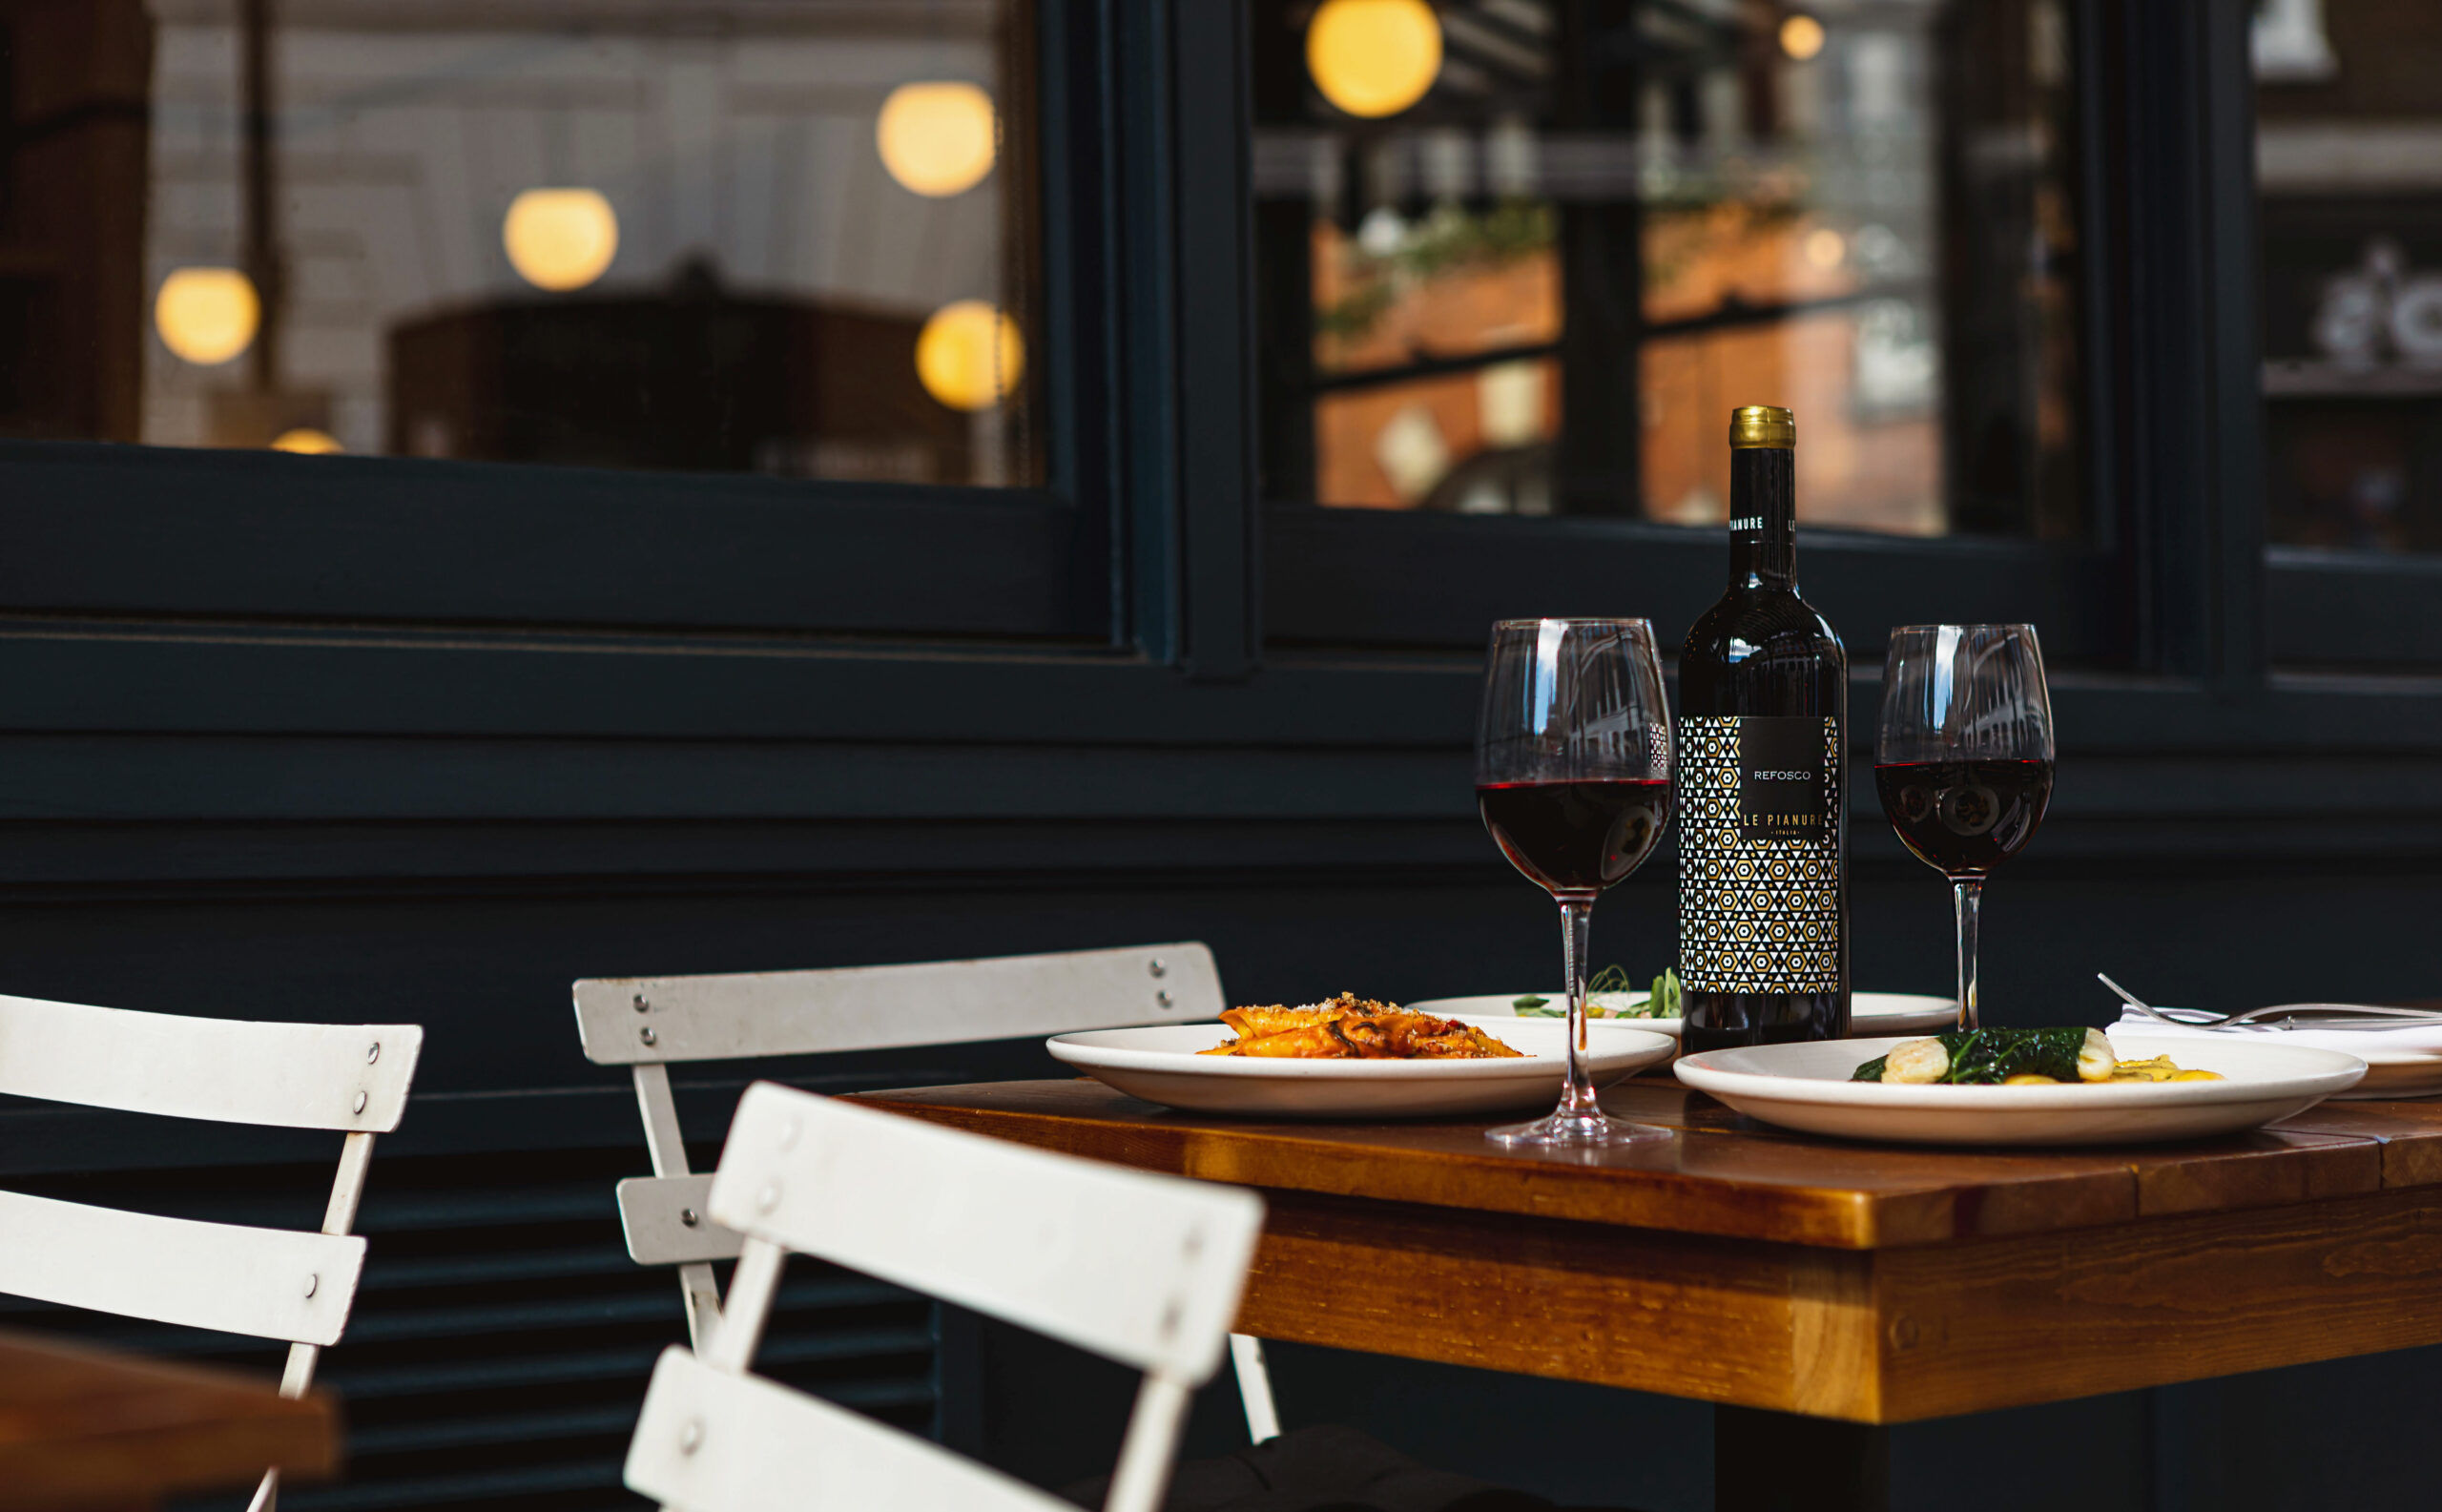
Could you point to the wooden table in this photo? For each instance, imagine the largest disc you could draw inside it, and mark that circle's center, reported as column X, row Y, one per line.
column 1815, row 1290
column 85, row 1429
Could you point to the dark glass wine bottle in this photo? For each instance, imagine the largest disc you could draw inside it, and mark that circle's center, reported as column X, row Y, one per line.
column 1762, row 723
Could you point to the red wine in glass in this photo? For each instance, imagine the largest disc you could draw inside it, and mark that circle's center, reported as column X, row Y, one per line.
column 1573, row 766
column 1965, row 818
column 1963, row 759
column 1576, row 836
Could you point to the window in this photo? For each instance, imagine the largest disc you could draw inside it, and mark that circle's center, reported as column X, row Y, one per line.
column 724, row 313
column 1516, row 262
column 2349, row 152
column 790, row 237
column 2348, row 171
column 1523, row 257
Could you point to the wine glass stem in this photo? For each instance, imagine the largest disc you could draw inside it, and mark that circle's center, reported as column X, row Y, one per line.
column 1969, row 894
column 1577, row 921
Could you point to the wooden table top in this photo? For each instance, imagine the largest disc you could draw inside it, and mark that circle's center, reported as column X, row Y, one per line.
column 1724, row 1175
column 1734, row 1264
column 86, row 1428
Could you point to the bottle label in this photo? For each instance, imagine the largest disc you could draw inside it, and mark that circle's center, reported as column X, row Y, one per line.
column 1759, row 852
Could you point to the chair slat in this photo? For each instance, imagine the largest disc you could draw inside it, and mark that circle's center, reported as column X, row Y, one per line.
column 720, row 1443
column 269, row 1283
column 282, row 1075
column 652, row 1211
column 734, row 1017
column 1143, row 1268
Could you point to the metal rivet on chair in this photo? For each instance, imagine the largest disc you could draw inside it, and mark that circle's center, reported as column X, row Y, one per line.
column 1163, row 996
column 1156, row 966
column 312, row 1282
column 641, row 1004
column 689, row 1216
column 359, row 1106
column 691, row 1438
column 768, row 1199
column 374, row 1054
column 1194, row 1244
column 789, row 1133
column 1170, row 1318
column 645, row 1034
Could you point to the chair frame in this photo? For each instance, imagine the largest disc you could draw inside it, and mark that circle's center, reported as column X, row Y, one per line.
column 650, row 1023
column 269, row 1283
column 1141, row 1268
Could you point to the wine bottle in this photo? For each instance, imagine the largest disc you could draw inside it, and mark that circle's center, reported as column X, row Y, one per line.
column 1763, row 725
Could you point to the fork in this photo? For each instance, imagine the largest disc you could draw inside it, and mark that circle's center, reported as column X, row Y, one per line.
column 2292, row 1015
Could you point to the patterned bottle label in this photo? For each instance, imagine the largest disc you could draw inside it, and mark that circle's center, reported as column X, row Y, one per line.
column 1759, row 852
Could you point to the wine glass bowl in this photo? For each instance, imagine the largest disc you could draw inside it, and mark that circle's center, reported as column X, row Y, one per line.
column 1573, row 768
column 1963, row 759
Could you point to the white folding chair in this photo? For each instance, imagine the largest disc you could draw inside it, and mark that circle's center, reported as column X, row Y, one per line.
column 649, row 1024
column 1141, row 1268
column 269, row 1283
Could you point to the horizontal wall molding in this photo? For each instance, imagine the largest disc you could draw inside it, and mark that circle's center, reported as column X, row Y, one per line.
column 93, row 678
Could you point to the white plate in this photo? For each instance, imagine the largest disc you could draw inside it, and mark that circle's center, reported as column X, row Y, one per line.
column 1869, row 1012
column 1806, row 1087
column 1159, row 1065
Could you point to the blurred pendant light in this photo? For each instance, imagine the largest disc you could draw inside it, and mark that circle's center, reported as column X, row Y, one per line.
column 207, row 315
column 969, row 355
column 1801, row 38
column 307, row 441
column 1373, row 57
column 938, row 139
column 560, row 238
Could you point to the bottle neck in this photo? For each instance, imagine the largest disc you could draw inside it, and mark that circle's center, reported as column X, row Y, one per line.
column 1763, row 517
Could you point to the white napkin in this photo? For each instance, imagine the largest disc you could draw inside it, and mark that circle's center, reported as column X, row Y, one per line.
column 2422, row 1042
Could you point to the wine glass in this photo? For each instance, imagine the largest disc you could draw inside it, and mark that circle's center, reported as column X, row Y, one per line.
column 1573, row 779
column 1963, row 758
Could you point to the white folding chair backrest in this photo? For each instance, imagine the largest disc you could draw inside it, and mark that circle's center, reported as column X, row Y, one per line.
column 649, row 1022
column 269, row 1283
column 1141, row 1268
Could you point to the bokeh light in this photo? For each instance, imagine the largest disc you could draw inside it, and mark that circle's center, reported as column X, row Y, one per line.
column 207, row 315
column 307, row 441
column 1373, row 57
column 937, row 139
column 1801, row 37
column 969, row 355
column 560, row 238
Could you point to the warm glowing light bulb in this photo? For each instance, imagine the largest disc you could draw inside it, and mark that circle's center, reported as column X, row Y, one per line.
column 560, row 238
column 207, row 315
column 306, row 441
column 969, row 355
column 1824, row 247
column 1373, row 57
column 1801, row 37
column 938, row 139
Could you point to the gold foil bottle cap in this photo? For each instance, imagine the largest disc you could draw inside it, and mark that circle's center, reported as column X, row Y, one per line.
column 1759, row 425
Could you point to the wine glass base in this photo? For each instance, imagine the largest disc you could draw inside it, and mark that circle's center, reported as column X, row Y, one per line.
column 1574, row 1131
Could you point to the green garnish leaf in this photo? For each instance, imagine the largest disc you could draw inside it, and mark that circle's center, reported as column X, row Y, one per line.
column 1529, row 1003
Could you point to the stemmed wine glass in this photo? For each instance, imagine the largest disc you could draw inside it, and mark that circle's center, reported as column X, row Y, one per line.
column 1573, row 779
column 1963, row 758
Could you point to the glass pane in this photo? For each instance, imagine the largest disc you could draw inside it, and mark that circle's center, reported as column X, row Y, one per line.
column 2348, row 163
column 790, row 237
column 1523, row 256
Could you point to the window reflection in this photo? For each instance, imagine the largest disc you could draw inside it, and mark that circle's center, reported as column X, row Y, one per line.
column 1540, row 284
column 2348, row 160
column 702, row 234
